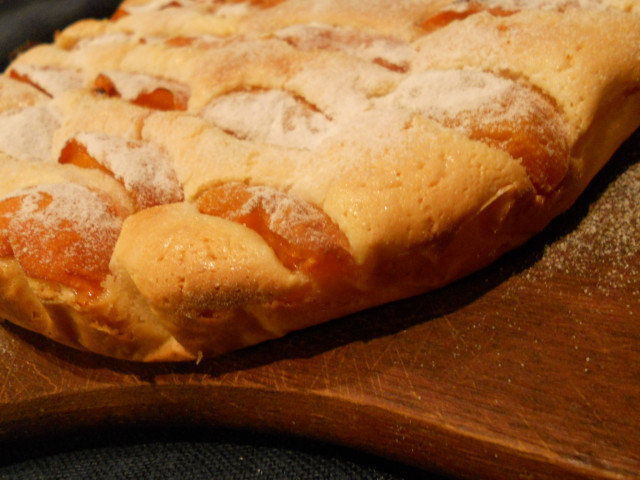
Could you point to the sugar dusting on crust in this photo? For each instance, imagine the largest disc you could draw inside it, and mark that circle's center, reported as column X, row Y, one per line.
column 232, row 9
column 471, row 101
column 290, row 217
column 514, row 5
column 498, row 111
column 270, row 116
column 143, row 168
column 53, row 81
column 115, row 38
column 388, row 51
column 71, row 203
column 73, row 208
column 202, row 41
column 27, row 134
column 131, row 85
column 445, row 94
column 155, row 5
column 216, row 7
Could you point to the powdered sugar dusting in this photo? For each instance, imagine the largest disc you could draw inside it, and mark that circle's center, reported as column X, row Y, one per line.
column 445, row 94
column 289, row 216
column 217, row 8
column 233, row 9
column 54, row 81
column 270, row 116
column 204, row 41
column 27, row 134
column 70, row 202
column 605, row 245
column 115, row 38
column 155, row 5
column 388, row 51
column 511, row 5
column 144, row 169
column 474, row 102
column 131, row 85
column 500, row 112
column 48, row 211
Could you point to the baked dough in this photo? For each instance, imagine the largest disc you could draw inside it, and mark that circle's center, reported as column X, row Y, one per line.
column 192, row 177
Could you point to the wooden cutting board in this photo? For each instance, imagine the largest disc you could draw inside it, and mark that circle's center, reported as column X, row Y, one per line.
column 528, row 369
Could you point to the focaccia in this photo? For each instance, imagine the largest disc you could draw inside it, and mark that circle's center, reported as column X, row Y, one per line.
column 192, row 177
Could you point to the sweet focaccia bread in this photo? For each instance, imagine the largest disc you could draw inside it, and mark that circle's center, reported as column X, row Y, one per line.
column 195, row 176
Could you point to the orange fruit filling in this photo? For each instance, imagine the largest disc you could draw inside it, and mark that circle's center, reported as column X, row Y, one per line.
column 391, row 66
column 302, row 236
column 118, row 14
column 143, row 170
column 503, row 113
column 25, row 78
column 537, row 140
column 544, row 156
column 161, row 99
column 41, row 230
column 350, row 41
column 444, row 18
column 7, row 207
column 121, row 12
column 5, row 245
column 104, row 83
column 76, row 154
column 180, row 41
column 263, row 3
column 171, row 5
column 158, row 99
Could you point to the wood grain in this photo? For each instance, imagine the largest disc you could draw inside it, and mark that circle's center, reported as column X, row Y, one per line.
column 527, row 369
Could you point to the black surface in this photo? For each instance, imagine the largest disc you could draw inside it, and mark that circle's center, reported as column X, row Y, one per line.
column 25, row 22
column 172, row 453
column 161, row 453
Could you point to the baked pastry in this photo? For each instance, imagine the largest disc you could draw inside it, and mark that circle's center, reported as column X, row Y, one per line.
column 195, row 176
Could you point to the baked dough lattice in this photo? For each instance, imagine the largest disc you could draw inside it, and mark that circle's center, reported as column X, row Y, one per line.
column 191, row 177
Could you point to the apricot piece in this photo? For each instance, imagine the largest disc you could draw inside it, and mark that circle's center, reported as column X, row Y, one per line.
column 118, row 14
column 51, row 81
column 398, row 68
column 203, row 42
column 75, row 153
column 104, row 84
column 542, row 151
column 7, row 208
column 445, row 17
column 143, row 169
column 535, row 136
column 503, row 113
column 263, row 3
column 63, row 233
column 155, row 97
column 180, row 41
column 171, row 5
column 270, row 116
column 388, row 52
column 25, row 78
column 5, row 245
column 302, row 236
column 161, row 99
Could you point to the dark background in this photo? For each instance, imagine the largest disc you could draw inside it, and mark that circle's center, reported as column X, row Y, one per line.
column 23, row 22
column 156, row 452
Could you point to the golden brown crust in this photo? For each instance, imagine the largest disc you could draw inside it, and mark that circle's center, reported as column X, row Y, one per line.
column 431, row 151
